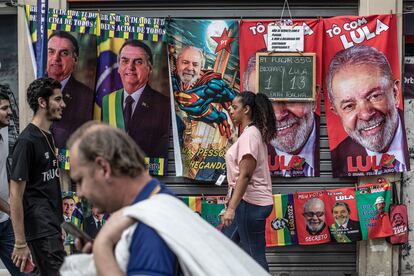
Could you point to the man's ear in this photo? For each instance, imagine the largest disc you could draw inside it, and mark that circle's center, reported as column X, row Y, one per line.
column 42, row 102
column 396, row 92
column 103, row 165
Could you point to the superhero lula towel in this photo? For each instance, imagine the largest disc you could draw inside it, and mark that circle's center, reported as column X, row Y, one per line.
column 204, row 60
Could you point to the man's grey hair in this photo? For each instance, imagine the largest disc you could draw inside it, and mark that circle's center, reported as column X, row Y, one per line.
column 114, row 145
column 357, row 56
column 313, row 201
column 200, row 51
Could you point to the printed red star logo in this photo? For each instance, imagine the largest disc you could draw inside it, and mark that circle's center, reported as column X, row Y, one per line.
column 223, row 41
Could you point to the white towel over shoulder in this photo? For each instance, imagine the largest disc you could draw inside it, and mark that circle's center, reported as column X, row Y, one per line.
column 199, row 247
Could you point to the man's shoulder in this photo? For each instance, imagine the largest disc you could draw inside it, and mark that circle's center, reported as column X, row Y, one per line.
column 165, row 190
column 115, row 92
column 28, row 134
column 76, row 86
column 119, row 91
column 88, row 220
column 210, row 74
column 149, row 252
column 206, row 76
column 353, row 222
column 349, row 146
column 154, row 94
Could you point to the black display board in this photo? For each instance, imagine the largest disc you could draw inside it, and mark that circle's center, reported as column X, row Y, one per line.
column 286, row 76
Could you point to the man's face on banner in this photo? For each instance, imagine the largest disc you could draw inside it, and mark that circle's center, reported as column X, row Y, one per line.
column 380, row 207
column 61, row 58
column 97, row 214
column 5, row 113
column 134, row 68
column 294, row 123
column 340, row 214
column 398, row 220
column 315, row 216
column 294, row 120
column 367, row 105
column 189, row 65
column 68, row 206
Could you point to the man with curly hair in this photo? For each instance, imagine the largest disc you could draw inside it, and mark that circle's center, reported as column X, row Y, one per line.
column 35, row 195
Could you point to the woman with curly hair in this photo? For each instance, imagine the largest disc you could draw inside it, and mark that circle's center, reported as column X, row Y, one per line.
column 250, row 199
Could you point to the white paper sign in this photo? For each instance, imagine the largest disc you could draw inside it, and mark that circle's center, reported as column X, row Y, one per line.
column 285, row 38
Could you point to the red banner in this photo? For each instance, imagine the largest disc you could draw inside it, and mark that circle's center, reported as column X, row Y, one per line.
column 295, row 151
column 363, row 99
column 342, row 215
column 310, row 214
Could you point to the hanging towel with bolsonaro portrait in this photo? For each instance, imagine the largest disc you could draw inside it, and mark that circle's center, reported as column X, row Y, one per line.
column 363, row 96
column 204, row 62
column 112, row 68
column 294, row 152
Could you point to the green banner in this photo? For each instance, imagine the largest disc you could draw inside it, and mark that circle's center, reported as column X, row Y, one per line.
column 373, row 203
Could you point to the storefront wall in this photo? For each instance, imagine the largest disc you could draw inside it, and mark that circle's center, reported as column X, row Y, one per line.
column 326, row 259
column 367, row 258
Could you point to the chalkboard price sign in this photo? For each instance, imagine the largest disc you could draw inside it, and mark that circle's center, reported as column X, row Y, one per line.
column 286, row 76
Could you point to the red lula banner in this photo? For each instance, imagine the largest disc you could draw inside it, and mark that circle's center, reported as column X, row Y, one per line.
column 342, row 215
column 310, row 214
column 295, row 150
column 363, row 99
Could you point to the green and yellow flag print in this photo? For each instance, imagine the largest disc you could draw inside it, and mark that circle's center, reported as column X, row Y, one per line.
column 100, row 37
column 193, row 202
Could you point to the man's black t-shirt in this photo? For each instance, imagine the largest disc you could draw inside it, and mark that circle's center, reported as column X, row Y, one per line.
column 35, row 162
